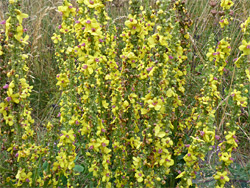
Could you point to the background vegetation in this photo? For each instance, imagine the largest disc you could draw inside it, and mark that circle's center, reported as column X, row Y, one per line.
column 44, row 18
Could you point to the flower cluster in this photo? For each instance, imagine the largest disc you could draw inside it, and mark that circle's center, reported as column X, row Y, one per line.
column 122, row 104
column 123, row 108
column 16, row 126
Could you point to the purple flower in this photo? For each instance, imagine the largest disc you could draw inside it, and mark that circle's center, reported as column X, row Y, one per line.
column 217, row 137
column 202, row 133
column 3, row 22
column 6, row 86
column 149, row 69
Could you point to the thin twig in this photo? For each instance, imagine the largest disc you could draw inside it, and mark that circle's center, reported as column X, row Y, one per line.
column 196, row 49
column 119, row 18
column 231, row 83
column 222, row 102
column 244, row 131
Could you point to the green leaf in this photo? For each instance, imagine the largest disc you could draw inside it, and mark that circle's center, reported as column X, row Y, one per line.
column 45, row 165
column 64, row 180
column 76, row 158
column 78, row 168
column 2, row 169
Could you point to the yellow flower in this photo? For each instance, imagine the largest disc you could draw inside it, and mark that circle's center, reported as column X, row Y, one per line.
column 231, row 138
column 94, row 168
column 181, row 175
column 1, row 48
column 137, row 161
column 20, row 16
column 158, row 132
column 210, row 54
column 170, row 92
column 49, row 126
column 132, row 59
column 133, row 24
column 104, row 143
column 226, row 4
column 67, row 9
column 29, row 132
column 245, row 47
column 7, row 27
column 11, row 96
column 167, row 141
column 248, row 74
column 163, row 41
column 12, row 1
column 96, row 4
column 224, row 45
column 23, row 177
column 24, row 41
column 9, row 119
column 106, row 174
column 56, row 38
column 222, row 177
column 166, row 160
column 208, row 136
column 125, row 105
column 106, row 161
column 155, row 103
column 223, row 23
column 153, row 40
column 61, row 161
column 139, row 176
column 74, row 120
column 92, row 27
column 67, row 137
column 190, row 158
column 3, row 108
column 241, row 101
column 40, row 181
column 62, row 80
column 226, row 158
column 245, row 25
column 94, row 145
column 19, row 34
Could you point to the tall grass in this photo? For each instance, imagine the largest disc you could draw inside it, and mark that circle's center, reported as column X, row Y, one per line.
column 42, row 23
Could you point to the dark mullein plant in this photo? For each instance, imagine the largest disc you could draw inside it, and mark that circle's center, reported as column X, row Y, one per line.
column 19, row 149
column 124, row 119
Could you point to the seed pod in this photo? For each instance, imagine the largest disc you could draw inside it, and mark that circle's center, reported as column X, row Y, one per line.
column 213, row 12
column 231, row 13
column 221, row 13
column 10, row 34
column 213, row 3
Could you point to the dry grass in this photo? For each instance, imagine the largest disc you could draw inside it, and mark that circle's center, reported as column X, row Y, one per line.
column 44, row 19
